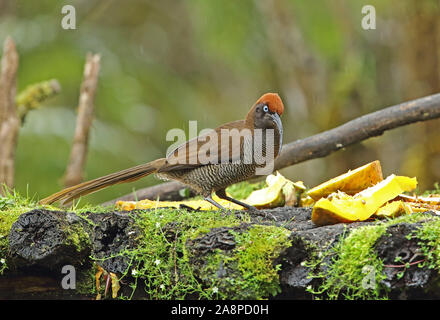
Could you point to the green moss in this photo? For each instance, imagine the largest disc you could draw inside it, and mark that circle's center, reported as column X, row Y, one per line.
column 347, row 271
column 247, row 271
column 354, row 270
column 429, row 236
column 77, row 236
column 253, row 257
column 163, row 265
column 160, row 260
column 7, row 218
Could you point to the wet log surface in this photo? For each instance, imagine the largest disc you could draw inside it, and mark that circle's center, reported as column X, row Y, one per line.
column 41, row 242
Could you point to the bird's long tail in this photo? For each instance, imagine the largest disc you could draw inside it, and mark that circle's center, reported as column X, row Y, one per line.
column 127, row 175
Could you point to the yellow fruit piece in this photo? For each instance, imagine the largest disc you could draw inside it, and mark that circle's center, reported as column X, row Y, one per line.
column 306, row 201
column 393, row 209
column 270, row 197
column 340, row 207
column 279, row 192
column 195, row 204
column 351, row 182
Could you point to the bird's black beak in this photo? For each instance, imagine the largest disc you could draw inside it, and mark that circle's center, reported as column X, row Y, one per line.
column 277, row 120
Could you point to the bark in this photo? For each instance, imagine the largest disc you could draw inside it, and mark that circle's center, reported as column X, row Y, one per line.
column 9, row 121
column 75, row 168
column 322, row 144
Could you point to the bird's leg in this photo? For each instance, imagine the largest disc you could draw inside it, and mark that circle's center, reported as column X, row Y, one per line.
column 252, row 210
column 213, row 202
column 222, row 194
column 218, row 205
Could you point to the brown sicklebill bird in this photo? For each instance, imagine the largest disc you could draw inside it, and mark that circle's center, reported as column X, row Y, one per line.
column 210, row 162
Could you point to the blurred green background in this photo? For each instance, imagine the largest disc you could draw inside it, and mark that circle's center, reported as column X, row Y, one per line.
column 166, row 62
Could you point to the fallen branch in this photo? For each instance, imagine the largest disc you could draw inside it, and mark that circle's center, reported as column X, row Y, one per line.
column 9, row 121
column 78, row 155
column 368, row 126
column 324, row 143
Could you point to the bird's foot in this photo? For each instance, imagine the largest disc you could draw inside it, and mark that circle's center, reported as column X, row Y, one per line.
column 225, row 212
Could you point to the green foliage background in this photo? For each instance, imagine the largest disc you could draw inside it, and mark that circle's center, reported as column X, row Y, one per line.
column 167, row 62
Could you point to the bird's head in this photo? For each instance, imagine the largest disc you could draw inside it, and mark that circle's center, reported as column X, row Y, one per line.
column 266, row 112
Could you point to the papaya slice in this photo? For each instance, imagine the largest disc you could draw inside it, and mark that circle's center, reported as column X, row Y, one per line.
column 195, row 204
column 393, row 209
column 306, row 201
column 351, row 182
column 270, row 197
column 279, row 192
column 341, row 207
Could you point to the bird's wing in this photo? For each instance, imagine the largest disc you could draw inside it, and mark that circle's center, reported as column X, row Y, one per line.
column 211, row 147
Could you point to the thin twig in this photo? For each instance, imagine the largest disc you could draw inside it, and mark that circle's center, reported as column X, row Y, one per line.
column 402, row 265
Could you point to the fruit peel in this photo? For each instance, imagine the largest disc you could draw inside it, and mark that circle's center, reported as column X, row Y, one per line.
column 350, row 182
column 393, row 209
column 194, row 204
column 279, row 192
column 341, row 207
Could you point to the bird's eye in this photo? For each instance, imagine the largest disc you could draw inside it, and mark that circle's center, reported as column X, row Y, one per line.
column 266, row 108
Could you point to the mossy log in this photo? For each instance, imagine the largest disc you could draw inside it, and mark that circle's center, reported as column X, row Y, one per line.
column 305, row 257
